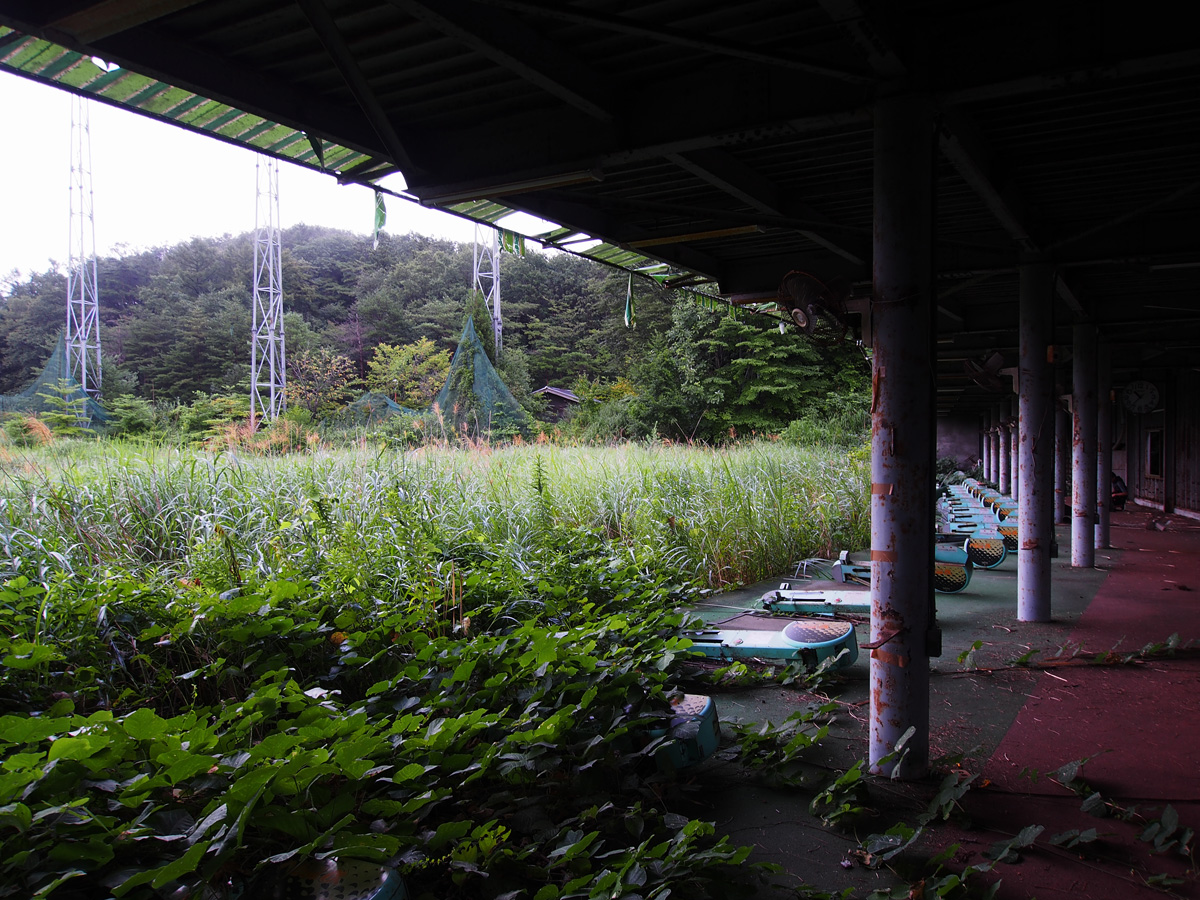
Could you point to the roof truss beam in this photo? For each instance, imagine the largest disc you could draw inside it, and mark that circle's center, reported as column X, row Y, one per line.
column 643, row 146
column 726, row 173
column 867, row 35
column 335, row 45
column 1073, row 79
column 962, row 146
column 1068, row 296
column 514, row 46
column 590, row 221
column 100, row 20
column 666, row 34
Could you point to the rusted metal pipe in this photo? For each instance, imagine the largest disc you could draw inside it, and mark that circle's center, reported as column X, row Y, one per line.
column 1104, row 416
column 902, row 435
column 1036, row 436
column 1083, row 446
column 1062, row 460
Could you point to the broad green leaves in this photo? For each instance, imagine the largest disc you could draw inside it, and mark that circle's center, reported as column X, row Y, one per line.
column 302, row 717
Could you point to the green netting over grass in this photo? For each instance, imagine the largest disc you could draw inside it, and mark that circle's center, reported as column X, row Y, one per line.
column 370, row 408
column 474, row 398
column 33, row 399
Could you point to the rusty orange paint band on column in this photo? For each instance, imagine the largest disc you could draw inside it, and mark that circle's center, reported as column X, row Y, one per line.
column 881, row 488
column 892, row 659
column 883, row 556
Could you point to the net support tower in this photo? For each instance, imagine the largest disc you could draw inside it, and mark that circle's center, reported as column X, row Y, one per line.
column 486, row 277
column 268, row 376
column 83, row 305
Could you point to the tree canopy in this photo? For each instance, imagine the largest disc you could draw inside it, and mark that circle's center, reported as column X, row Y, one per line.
column 175, row 322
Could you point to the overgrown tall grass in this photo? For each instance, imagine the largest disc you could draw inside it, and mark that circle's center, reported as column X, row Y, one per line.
column 390, row 657
column 716, row 517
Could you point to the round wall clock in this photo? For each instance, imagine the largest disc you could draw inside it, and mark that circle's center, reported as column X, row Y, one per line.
column 1140, row 396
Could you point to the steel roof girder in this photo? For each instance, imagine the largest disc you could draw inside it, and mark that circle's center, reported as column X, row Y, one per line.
column 658, row 32
column 331, row 39
column 516, row 47
column 961, row 145
column 96, row 21
column 728, row 174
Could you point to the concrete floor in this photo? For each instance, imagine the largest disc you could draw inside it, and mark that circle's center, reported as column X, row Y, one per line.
column 1140, row 721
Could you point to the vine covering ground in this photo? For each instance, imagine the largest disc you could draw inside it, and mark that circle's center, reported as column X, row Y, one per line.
column 214, row 666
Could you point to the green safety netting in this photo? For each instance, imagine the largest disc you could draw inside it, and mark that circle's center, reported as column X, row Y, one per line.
column 369, row 409
column 474, row 398
column 33, row 399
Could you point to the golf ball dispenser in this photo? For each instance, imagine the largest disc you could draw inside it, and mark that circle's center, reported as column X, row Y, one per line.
column 809, row 640
column 692, row 735
column 334, row 879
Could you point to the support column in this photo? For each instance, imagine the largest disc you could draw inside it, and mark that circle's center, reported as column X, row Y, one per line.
column 994, row 438
column 985, row 445
column 1003, row 479
column 1014, row 436
column 997, row 415
column 1083, row 446
column 1170, row 402
column 1104, row 417
column 1062, row 461
column 903, row 630
column 1036, row 444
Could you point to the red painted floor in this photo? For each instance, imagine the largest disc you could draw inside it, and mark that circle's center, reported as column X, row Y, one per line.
column 1140, row 722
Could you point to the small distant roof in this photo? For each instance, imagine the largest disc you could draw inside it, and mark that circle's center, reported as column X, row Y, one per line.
column 561, row 393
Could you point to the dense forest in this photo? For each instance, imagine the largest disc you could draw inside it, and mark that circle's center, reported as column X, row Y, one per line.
column 176, row 321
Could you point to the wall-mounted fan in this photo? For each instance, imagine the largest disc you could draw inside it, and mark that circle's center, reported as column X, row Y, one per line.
column 988, row 372
column 804, row 299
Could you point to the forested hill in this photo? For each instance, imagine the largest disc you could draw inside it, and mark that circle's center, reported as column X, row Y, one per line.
column 176, row 321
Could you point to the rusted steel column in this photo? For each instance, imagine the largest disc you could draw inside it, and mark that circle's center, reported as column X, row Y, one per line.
column 985, row 446
column 1083, row 446
column 1036, row 531
column 1104, row 417
column 994, row 440
column 1003, row 479
column 1014, row 436
column 1170, row 408
column 1062, row 460
column 902, row 434
column 996, row 416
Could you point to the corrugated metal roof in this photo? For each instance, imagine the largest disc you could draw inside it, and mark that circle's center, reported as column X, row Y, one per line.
column 52, row 64
column 719, row 142
column 49, row 63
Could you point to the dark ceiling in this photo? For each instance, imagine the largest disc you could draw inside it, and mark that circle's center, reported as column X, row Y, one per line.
column 734, row 140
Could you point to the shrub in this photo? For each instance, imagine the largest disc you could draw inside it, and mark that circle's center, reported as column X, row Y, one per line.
column 840, row 420
column 26, row 431
column 209, row 415
column 131, row 416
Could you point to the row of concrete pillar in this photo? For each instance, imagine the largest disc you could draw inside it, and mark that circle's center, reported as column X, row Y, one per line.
column 1022, row 459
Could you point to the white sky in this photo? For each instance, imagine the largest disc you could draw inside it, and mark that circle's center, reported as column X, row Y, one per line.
column 155, row 185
